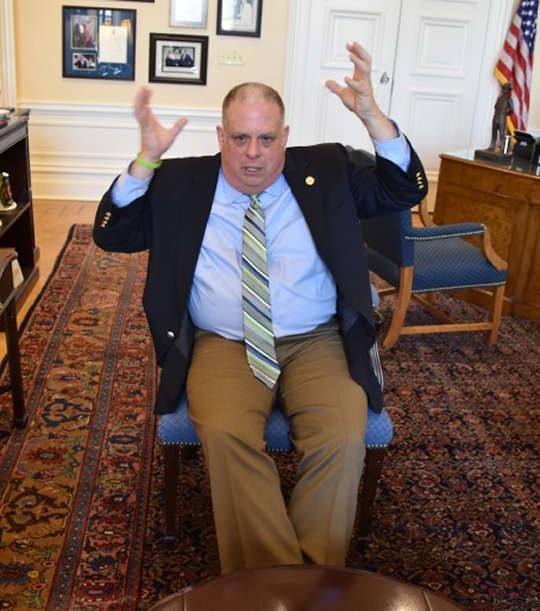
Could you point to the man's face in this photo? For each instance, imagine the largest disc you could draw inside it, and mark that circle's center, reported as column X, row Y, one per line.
column 252, row 142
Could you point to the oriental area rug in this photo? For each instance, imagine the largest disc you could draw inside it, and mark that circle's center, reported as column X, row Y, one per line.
column 81, row 489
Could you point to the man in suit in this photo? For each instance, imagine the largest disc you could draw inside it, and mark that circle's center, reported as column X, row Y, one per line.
column 189, row 213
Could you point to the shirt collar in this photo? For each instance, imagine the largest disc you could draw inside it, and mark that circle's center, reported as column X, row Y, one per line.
column 227, row 193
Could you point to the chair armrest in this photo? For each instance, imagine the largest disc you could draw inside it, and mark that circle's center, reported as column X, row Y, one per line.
column 7, row 285
column 459, row 230
column 6, row 256
column 498, row 262
column 455, row 230
column 430, row 231
column 425, row 215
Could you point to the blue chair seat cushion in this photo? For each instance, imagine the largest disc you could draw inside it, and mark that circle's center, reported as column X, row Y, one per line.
column 469, row 268
column 177, row 428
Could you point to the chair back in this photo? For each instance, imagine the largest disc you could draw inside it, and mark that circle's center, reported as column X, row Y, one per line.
column 385, row 235
column 386, row 245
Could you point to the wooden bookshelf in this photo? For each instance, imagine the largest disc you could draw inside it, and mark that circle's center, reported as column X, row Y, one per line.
column 17, row 229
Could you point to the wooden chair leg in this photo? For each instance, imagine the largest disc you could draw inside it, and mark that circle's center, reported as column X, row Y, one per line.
column 402, row 303
column 171, row 472
column 372, row 473
column 496, row 310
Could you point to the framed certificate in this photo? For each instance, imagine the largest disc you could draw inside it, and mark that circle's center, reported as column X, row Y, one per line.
column 98, row 43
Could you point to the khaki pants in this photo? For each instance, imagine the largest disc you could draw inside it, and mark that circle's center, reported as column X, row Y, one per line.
column 327, row 411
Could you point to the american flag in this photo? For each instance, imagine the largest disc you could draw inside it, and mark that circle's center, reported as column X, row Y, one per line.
column 516, row 61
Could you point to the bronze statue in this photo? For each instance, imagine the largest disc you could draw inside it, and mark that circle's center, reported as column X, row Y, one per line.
column 503, row 108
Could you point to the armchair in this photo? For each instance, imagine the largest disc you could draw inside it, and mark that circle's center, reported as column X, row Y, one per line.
column 419, row 261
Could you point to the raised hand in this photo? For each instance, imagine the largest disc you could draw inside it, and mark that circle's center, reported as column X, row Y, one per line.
column 357, row 95
column 155, row 138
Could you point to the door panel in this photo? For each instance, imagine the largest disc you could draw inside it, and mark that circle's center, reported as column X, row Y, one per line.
column 315, row 114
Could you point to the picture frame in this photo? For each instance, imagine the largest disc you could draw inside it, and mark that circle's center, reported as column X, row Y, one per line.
column 239, row 18
column 98, row 43
column 189, row 13
column 178, row 58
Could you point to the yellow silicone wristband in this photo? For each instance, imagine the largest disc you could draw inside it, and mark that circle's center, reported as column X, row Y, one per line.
column 149, row 165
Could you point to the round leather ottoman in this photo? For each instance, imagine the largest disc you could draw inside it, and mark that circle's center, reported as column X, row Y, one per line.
column 304, row 588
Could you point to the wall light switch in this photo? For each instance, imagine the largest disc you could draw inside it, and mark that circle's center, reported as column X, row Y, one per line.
column 232, row 57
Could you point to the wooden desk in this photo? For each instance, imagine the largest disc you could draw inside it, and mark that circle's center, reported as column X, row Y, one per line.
column 507, row 200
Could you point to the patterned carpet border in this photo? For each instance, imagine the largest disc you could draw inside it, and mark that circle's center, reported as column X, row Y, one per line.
column 75, row 482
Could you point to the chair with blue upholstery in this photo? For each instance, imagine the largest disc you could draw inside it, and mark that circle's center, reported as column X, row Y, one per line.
column 176, row 432
column 418, row 262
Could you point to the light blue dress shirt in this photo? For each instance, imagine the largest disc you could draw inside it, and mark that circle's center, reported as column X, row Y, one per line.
column 302, row 290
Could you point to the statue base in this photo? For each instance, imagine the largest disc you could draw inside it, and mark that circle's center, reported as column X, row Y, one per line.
column 493, row 156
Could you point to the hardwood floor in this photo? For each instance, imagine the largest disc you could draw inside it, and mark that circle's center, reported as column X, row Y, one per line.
column 52, row 221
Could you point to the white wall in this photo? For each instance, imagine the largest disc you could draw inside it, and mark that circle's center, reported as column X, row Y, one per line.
column 82, row 132
column 38, row 33
column 78, row 149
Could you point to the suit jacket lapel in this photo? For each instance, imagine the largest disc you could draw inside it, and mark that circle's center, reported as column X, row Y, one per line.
column 306, row 188
column 194, row 207
column 347, row 268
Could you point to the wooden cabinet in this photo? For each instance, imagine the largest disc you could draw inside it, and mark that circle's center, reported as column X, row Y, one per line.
column 507, row 200
column 17, row 229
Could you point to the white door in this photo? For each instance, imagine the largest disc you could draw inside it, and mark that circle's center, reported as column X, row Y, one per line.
column 437, row 73
column 319, row 30
column 432, row 69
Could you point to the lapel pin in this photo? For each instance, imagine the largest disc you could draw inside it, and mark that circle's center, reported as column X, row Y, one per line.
column 310, row 181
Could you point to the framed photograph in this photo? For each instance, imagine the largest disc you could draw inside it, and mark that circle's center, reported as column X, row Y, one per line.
column 189, row 13
column 239, row 17
column 178, row 59
column 98, row 43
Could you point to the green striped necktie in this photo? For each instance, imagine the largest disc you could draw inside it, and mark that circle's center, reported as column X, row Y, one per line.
column 258, row 332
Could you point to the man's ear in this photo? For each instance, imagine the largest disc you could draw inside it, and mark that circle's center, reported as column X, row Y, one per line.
column 220, row 134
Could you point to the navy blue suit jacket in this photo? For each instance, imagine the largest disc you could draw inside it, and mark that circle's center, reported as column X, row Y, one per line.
column 333, row 192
